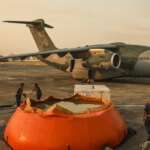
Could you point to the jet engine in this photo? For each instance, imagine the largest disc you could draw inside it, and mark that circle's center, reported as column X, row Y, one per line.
column 104, row 61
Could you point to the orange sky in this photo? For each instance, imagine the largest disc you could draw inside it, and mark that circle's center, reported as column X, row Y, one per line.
column 76, row 22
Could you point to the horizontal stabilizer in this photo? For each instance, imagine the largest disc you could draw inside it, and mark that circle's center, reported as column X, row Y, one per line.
column 38, row 22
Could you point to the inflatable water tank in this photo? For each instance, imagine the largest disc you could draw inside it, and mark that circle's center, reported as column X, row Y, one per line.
column 75, row 123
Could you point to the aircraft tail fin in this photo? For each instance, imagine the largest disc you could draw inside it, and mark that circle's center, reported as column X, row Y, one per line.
column 37, row 28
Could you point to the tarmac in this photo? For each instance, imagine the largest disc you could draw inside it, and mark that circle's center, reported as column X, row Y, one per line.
column 128, row 95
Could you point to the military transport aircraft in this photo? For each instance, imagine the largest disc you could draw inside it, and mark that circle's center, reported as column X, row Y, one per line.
column 106, row 61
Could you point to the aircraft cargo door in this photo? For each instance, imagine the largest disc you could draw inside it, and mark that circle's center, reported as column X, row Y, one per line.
column 79, row 72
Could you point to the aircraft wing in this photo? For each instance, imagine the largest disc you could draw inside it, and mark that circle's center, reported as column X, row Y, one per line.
column 60, row 52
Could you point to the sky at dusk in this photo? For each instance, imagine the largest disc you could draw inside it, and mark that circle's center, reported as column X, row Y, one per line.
column 76, row 22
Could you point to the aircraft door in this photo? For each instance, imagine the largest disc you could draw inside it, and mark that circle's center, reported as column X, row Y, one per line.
column 79, row 71
column 72, row 64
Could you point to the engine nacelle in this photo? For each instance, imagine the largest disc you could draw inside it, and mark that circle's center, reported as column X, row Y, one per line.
column 115, row 61
column 104, row 60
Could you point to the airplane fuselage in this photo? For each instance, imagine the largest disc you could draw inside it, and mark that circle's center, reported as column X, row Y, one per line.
column 135, row 62
column 106, row 61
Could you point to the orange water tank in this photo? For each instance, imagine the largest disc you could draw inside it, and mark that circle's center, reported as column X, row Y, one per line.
column 57, row 130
